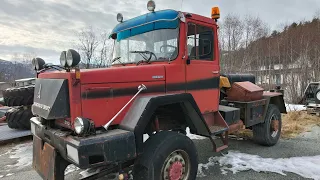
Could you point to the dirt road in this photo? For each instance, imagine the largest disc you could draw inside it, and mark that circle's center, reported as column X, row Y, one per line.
column 16, row 159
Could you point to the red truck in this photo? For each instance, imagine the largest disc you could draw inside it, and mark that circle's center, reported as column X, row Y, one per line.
column 165, row 77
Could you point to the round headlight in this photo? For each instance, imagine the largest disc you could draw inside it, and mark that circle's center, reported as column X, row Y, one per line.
column 73, row 58
column 38, row 63
column 81, row 125
column 63, row 59
column 119, row 17
column 151, row 5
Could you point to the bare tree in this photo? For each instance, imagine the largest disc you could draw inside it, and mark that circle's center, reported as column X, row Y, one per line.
column 94, row 47
column 104, row 50
column 254, row 28
column 88, row 43
column 317, row 14
column 233, row 29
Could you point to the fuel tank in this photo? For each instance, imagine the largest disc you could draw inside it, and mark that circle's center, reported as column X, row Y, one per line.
column 240, row 78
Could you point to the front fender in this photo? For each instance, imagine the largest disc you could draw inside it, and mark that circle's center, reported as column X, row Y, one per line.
column 140, row 113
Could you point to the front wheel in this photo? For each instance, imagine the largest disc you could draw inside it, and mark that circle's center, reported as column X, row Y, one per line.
column 268, row 133
column 167, row 156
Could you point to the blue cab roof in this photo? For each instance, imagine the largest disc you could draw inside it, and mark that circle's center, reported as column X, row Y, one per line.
column 146, row 18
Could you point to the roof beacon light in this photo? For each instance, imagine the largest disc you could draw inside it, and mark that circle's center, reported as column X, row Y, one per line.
column 215, row 13
column 151, row 5
column 119, row 17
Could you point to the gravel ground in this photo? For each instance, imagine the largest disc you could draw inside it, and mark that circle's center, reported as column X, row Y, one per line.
column 307, row 144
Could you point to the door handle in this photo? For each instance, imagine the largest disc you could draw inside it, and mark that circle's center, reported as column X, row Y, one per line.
column 215, row 72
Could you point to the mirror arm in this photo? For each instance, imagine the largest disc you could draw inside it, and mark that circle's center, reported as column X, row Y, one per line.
column 188, row 60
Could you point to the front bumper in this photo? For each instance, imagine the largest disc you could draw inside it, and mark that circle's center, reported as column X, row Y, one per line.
column 86, row 152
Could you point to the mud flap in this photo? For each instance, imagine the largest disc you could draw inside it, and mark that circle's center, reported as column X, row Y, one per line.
column 47, row 161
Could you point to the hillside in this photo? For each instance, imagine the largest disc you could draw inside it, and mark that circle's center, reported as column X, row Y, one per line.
column 9, row 71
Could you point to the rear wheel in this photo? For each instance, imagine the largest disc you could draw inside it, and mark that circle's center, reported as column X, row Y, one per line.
column 167, row 155
column 268, row 133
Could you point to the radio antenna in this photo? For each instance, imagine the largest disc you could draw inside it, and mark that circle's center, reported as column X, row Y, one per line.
column 181, row 5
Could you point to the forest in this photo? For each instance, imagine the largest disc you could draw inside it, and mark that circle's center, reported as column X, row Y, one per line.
column 289, row 57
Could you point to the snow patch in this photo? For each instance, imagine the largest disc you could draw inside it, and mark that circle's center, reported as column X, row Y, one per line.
column 193, row 136
column 295, row 107
column 234, row 161
column 1, row 176
column 5, row 153
column 71, row 168
column 22, row 152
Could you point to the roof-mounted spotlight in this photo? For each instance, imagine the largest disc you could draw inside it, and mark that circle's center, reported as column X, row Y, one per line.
column 63, row 59
column 73, row 58
column 151, row 5
column 70, row 58
column 38, row 63
column 119, row 17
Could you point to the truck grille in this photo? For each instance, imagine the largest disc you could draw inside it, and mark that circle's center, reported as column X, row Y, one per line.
column 51, row 99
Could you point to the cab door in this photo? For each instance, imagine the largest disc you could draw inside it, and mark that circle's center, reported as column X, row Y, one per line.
column 202, row 67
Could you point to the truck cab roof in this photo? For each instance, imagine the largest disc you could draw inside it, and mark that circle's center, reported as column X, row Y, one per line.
column 163, row 15
column 161, row 20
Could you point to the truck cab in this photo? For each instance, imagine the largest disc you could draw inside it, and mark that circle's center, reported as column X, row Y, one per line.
column 164, row 77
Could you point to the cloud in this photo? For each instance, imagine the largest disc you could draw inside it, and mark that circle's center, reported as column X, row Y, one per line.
column 49, row 26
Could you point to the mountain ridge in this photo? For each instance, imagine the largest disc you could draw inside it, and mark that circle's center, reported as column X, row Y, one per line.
column 12, row 70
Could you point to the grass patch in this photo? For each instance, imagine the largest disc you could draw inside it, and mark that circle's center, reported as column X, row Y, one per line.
column 297, row 122
column 293, row 124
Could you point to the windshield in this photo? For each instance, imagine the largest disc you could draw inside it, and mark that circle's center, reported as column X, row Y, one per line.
column 163, row 43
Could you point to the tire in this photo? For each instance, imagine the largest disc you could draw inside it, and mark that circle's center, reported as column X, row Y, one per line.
column 159, row 150
column 22, row 96
column 264, row 133
column 19, row 118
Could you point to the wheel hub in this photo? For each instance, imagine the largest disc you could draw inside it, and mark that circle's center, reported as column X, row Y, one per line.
column 176, row 166
column 175, row 171
column 274, row 126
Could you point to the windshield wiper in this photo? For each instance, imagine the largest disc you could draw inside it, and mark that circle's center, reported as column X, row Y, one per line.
column 118, row 59
column 143, row 55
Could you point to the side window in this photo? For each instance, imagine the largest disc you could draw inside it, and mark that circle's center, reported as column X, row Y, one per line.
column 200, row 42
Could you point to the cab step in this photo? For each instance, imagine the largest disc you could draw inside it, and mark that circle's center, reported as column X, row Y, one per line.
column 215, row 129
column 218, row 128
column 221, row 142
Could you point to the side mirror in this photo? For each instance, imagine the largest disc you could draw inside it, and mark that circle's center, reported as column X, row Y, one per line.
column 113, row 36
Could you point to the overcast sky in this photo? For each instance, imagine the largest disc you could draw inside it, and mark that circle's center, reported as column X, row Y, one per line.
column 46, row 27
